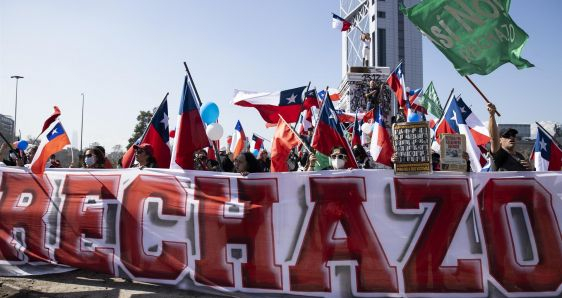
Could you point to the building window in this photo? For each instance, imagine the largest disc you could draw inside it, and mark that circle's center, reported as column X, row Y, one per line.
column 381, row 46
column 381, row 14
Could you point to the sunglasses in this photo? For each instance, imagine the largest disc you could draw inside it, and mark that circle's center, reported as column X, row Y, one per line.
column 88, row 155
column 139, row 151
column 338, row 156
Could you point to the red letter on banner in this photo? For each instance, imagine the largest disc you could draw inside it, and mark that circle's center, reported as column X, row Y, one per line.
column 423, row 271
column 546, row 275
column 340, row 200
column 173, row 259
column 24, row 202
column 254, row 230
column 78, row 220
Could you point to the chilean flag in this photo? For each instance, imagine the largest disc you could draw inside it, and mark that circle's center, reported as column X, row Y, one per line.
column 478, row 130
column 53, row 140
column 546, row 153
column 339, row 23
column 329, row 134
column 396, row 82
column 238, row 140
column 258, row 144
column 51, row 119
column 381, row 146
column 356, row 139
column 271, row 105
column 453, row 121
column 190, row 130
column 414, row 96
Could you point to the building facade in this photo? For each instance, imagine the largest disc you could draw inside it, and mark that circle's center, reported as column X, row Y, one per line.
column 393, row 38
column 7, row 127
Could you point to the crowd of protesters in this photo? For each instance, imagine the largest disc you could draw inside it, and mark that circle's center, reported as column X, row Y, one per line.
column 502, row 152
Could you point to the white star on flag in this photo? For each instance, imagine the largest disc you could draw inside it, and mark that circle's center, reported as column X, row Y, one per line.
column 292, row 99
column 165, row 121
column 543, row 145
column 463, row 110
column 54, row 132
column 333, row 115
column 454, row 116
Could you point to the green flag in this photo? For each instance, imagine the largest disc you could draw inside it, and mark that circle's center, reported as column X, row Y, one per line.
column 431, row 102
column 477, row 36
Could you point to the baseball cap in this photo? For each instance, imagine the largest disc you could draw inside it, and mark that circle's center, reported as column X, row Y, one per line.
column 508, row 132
column 146, row 147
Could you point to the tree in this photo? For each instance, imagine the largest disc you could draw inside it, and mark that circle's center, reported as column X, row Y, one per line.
column 143, row 119
column 116, row 154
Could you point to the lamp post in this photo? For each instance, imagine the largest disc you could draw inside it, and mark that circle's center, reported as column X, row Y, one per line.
column 16, row 108
column 82, row 125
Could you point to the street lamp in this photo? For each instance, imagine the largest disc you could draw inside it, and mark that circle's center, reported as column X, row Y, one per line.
column 16, row 108
column 82, row 124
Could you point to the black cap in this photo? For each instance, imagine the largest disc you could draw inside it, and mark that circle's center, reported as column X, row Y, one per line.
column 508, row 132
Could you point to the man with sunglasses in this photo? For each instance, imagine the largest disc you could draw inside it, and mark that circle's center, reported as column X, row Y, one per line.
column 503, row 147
column 338, row 160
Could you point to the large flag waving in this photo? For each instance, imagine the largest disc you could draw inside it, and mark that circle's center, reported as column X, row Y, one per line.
column 453, row 121
column 381, row 145
column 271, row 105
column 339, row 23
column 156, row 134
column 53, row 140
column 190, row 130
column 546, row 153
column 431, row 102
column 396, row 82
column 51, row 119
column 238, row 140
column 329, row 134
column 476, row 36
column 284, row 140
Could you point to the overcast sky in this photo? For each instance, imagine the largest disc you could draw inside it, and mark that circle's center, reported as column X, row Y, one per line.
column 125, row 56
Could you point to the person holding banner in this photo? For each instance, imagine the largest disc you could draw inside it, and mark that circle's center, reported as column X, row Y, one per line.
column 504, row 156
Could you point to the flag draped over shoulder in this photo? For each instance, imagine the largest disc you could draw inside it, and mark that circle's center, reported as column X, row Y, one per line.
column 476, row 36
column 52, row 140
column 271, row 105
column 190, row 130
column 546, row 154
column 284, row 140
column 430, row 101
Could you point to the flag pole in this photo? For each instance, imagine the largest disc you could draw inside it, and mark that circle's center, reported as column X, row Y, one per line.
column 302, row 103
column 480, row 92
column 200, row 104
column 551, row 136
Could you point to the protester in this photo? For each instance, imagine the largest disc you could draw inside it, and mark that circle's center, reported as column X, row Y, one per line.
column 144, row 155
column 504, row 155
column 93, row 159
column 372, row 95
column 264, row 161
column 54, row 162
column 246, row 163
column 363, row 160
column 13, row 158
column 338, row 160
column 203, row 163
column 106, row 162
column 226, row 163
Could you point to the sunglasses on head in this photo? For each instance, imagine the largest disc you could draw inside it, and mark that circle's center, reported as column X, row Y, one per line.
column 338, row 156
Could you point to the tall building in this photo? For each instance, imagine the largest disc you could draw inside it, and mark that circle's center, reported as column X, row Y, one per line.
column 7, row 127
column 393, row 37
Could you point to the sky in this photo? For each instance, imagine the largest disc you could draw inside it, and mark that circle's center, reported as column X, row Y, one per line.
column 126, row 55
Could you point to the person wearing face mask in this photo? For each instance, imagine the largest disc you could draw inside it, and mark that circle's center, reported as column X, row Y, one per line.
column 93, row 159
column 338, row 160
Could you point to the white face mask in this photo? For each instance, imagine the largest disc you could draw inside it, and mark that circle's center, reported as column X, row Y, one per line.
column 90, row 160
column 13, row 156
column 337, row 163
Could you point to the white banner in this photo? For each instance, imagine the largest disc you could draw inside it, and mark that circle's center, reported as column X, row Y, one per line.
column 365, row 233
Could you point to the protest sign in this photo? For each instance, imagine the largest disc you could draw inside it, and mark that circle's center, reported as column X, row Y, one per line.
column 411, row 142
column 453, row 149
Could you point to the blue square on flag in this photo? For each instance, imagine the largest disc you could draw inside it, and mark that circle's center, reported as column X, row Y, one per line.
column 291, row 96
column 55, row 132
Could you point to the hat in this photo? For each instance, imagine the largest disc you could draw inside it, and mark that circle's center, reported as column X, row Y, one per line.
column 508, row 132
column 146, row 147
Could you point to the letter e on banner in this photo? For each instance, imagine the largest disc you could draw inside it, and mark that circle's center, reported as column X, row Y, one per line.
column 546, row 274
column 340, row 201
column 81, row 220
column 173, row 258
